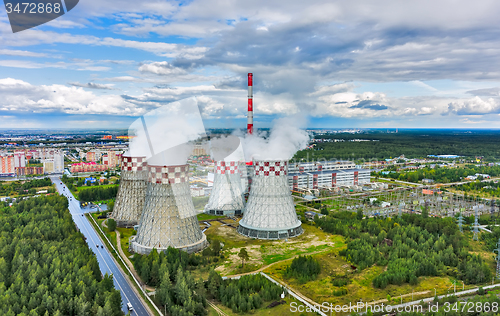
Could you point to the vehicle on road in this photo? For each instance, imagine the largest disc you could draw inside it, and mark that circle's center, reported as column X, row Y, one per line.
column 129, row 307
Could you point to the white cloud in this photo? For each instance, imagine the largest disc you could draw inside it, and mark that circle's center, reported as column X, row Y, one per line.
column 474, row 106
column 92, row 85
column 162, row 68
column 22, row 53
column 21, row 96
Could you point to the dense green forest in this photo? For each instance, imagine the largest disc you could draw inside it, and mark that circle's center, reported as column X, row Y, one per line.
column 244, row 294
column 46, row 267
column 411, row 246
column 23, row 188
column 303, row 268
column 175, row 287
column 169, row 272
column 412, row 144
column 97, row 194
column 441, row 175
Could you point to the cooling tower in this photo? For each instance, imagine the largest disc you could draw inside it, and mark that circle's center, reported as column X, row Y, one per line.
column 270, row 212
column 130, row 198
column 168, row 217
column 227, row 196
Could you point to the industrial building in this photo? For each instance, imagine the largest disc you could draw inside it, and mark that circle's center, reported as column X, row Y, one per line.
column 270, row 212
column 326, row 174
column 168, row 218
column 320, row 166
column 132, row 191
column 328, row 178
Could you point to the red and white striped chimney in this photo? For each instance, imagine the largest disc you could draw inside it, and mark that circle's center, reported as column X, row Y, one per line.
column 250, row 104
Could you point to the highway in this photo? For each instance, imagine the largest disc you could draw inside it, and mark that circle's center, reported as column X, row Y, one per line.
column 106, row 262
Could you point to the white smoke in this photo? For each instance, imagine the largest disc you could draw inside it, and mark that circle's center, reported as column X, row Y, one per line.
column 285, row 139
column 158, row 132
column 174, row 156
column 228, row 148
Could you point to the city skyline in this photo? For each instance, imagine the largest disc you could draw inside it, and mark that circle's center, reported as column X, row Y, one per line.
column 360, row 64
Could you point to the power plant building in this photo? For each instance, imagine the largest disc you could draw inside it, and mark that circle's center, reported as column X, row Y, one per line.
column 327, row 174
column 328, row 178
column 132, row 191
column 270, row 212
column 168, row 218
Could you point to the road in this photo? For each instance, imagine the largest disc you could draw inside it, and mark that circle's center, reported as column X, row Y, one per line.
column 106, row 261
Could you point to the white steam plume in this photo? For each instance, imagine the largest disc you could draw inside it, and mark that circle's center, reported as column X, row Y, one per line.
column 228, row 148
column 285, row 139
column 159, row 131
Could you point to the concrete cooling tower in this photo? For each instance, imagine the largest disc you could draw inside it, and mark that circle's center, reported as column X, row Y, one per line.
column 132, row 191
column 169, row 217
column 227, row 196
column 270, row 212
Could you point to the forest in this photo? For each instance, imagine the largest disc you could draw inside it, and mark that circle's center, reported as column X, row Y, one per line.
column 303, row 268
column 244, row 294
column 97, row 194
column 411, row 143
column 441, row 175
column 411, row 246
column 176, row 289
column 46, row 267
column 23, row 188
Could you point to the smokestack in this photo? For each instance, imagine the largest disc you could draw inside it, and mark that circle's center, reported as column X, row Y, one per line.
column 270, row 212
column 250, row 104
column 168, row 217
column 132, row 191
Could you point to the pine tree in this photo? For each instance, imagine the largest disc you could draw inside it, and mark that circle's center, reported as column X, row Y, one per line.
column 243, row 254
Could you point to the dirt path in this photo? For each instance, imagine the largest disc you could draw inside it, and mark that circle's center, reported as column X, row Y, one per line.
column 396, row 297
column 129, row 263
column 271, row 264
column 218, row 310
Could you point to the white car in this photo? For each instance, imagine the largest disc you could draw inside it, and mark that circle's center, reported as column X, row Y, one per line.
column 129, row 307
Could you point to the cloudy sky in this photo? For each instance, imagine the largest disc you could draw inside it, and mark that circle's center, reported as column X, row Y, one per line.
column 372, row 63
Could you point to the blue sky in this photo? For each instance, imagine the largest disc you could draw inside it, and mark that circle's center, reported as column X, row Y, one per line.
column 373, row 63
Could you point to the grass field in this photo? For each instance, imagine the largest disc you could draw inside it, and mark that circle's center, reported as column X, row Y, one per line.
column 360, row 283
column 78, row 189
column 265, row 252
column 204, row 217
column 125, row 234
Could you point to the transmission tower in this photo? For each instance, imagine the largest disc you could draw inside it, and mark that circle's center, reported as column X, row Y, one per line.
column 476, row 226
column 498, row 258
column 460, row 221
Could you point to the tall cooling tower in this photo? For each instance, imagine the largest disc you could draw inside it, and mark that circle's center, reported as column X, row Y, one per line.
column 227, row 196
column 270, row 212
column 169, row 217
column 132, row 191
